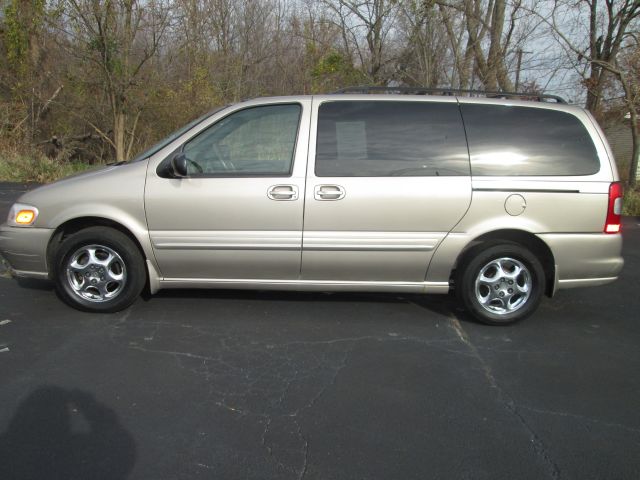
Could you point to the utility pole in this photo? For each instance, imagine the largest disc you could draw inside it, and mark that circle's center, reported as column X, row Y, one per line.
column 519, row 52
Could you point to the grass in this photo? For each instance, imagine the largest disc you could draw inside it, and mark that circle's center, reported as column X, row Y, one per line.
column 35, row 168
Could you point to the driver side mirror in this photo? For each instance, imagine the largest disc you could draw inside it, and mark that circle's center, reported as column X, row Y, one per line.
column 179, row 165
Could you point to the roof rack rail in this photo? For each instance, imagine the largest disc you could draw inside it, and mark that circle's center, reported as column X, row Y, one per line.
column 540, row 97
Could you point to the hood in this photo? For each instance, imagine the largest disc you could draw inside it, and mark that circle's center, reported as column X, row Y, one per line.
column 97, row 175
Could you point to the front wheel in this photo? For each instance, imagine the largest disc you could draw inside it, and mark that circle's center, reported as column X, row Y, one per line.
column 99, row 269
column 501, row 284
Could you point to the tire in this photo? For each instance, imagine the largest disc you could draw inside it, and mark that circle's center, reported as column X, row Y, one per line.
column 501, row 284
column 99, row 269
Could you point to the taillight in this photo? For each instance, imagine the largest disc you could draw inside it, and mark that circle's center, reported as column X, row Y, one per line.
column 614, row 210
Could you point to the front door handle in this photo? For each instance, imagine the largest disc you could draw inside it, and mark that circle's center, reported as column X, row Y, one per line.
column 282, row 192
column 328, row 192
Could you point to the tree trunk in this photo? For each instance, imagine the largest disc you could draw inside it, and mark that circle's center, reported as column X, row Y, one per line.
column 467, row 68
column 594, row 89
column 119, row 124
column 494, row 57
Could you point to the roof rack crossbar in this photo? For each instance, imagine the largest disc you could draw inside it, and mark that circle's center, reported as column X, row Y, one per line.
column 541, row 97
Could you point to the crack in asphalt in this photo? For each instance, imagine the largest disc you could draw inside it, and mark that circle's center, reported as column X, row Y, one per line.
column 507, row 401
column 273, row 382
column 575, row 416
column 278, row 382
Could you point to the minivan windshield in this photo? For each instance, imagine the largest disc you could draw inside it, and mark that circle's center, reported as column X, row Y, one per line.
column 171, row 137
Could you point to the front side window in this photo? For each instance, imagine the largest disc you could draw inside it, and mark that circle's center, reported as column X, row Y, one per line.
column 254, row 141
column 388, row 138
column 506, row 140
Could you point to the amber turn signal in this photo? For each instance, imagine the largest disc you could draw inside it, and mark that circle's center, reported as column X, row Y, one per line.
column 25, row 217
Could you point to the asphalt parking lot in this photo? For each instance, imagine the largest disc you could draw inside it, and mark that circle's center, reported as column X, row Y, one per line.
column 257, row 385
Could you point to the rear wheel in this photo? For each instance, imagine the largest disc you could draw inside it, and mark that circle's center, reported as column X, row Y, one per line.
column 99, row 269
column 501, row 284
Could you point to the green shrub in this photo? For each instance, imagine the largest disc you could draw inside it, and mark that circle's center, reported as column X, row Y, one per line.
column 631, row 204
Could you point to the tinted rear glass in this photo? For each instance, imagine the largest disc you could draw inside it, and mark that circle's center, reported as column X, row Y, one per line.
column 506, row 140
column 374, row 139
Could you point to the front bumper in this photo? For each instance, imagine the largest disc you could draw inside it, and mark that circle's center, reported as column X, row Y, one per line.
column 25, row 250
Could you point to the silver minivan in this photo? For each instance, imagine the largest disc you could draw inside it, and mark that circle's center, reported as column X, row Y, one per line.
column 502, row 200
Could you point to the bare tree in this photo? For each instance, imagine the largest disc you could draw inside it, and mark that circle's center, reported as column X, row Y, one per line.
column 611, row 24
column 366, row 26
column 132, row 70
column 425, row 53
column 118, row 37
column 484, row 22
column 461, row 46
column 24, row 70
column 486, row 36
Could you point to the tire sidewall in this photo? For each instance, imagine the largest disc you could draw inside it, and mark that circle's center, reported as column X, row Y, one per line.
column 477, row 260
column 117, row 241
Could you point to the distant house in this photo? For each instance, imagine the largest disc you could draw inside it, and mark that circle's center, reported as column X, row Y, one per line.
column 619, row 137
column 618, row 134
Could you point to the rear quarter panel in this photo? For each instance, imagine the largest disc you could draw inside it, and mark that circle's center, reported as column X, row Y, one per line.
column 571, row 207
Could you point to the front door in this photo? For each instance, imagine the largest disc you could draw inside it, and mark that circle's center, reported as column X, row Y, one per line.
column 238, row 213
column 387, row 180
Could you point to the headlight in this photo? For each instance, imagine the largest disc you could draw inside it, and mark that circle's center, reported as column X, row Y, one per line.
column 22, row 215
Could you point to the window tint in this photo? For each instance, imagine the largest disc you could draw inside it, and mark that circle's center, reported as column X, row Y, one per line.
column 373, row 139
column 505, row 140
column 254, row 141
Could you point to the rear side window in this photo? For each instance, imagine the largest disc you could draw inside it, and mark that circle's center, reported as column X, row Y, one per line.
column 511, row 141
column 376, row 139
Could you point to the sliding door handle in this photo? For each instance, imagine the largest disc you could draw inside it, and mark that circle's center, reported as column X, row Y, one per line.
column 329, row 192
